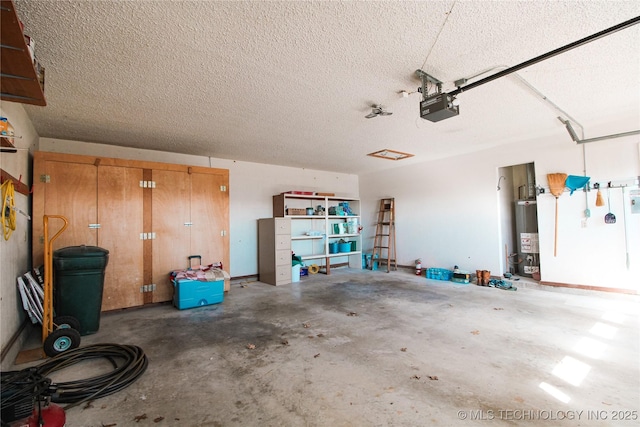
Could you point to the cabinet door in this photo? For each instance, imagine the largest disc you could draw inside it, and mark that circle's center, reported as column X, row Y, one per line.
column 170, row 211
column 71, row 192
column 210, row 218
column 120, row 214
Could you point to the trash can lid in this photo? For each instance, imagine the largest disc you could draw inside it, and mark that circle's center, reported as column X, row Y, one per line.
column 80, row 252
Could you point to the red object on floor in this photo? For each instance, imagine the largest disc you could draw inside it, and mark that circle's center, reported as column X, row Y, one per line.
column 52, row 415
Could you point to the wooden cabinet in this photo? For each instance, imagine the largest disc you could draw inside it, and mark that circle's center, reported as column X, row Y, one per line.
column 170, row 216
column 150, row 216
column 120, row 215
column 190, row 214
column 20, row 81
column 104, row 208
column 70, row 192
column 274, row 250
column 316, row 224
column 207, row 237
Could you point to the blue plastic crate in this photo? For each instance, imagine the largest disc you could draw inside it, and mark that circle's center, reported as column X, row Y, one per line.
column 439, row 274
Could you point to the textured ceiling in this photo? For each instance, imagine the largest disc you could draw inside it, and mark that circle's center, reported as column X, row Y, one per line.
column 289, row 83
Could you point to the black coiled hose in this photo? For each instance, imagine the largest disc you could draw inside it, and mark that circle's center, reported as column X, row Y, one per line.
column 20, row 389
column 129, row 363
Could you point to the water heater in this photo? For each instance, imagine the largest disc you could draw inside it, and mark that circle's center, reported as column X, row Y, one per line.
column 527, row 237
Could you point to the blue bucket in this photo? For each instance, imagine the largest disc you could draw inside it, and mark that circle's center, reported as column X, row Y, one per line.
column 344, row 247
column 333, row 248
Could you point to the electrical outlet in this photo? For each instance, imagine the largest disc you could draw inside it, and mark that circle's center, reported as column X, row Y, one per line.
column 583, row 223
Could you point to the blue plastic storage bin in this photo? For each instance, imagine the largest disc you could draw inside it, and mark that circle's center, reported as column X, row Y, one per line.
column 439, row 274
column 344, row 247
column 196, row 293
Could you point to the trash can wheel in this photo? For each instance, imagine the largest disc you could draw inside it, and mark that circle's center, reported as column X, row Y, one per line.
column 62, row 322
column 60, row 341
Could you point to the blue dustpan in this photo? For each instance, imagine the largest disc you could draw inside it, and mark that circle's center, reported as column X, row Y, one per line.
column 574, row 182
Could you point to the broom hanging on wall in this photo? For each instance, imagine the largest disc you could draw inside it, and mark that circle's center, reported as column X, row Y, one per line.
column 556, row 186
column 599, row 198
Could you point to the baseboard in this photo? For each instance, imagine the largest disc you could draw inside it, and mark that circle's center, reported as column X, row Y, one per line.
column 560, row 285
column 15, row 342
column 591, row 288
column 337, row 265
column 255, row 278
column 243, row 279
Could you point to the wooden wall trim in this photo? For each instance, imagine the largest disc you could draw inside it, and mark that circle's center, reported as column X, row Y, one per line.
column 142, row 164
column 147, row 245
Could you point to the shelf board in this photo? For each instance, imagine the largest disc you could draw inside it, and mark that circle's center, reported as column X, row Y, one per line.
column 335, row 236
column 19, row 81
column 344, row 254
column 305, row 237
column 6, row 142
column 339, row 254
column 20, row 187
column 318, row 256
column 321, row 216
column 314, row 197
column 343, row 199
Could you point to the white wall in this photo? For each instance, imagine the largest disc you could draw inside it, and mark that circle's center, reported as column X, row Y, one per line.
column 506, row 212
column 15, row 253
column 448, row 210
column 251, row 187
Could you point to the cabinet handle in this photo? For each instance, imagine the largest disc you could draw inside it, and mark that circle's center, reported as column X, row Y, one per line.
column 94, row 225
column 147, row 184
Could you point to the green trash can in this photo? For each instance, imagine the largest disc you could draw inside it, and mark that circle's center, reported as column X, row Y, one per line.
column 78, row 282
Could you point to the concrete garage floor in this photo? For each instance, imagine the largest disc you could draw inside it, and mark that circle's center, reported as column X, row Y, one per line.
column 363, row 348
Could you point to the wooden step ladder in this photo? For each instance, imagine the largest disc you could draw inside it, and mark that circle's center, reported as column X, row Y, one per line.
column 384, row 243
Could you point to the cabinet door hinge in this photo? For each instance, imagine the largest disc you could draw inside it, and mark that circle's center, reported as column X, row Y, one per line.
column 148, row 184
column 147, row 288
column 223, row 188
column 147, row 236
column 45, row 178
column 41, row 239
column 223, row 233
